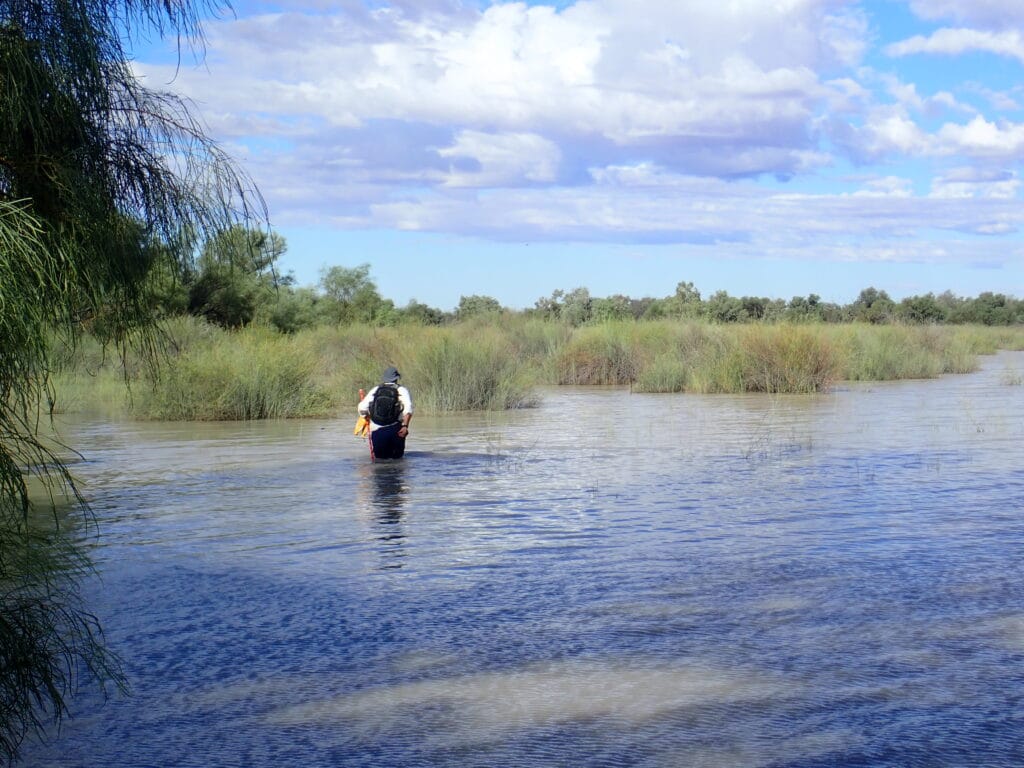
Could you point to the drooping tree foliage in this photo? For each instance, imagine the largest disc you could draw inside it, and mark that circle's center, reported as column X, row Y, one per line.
column 106, row 188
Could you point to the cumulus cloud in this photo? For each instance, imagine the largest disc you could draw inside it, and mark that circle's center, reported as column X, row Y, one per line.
column 713, row 88
column 888, row 131
column 982, row 138
column 625, row 120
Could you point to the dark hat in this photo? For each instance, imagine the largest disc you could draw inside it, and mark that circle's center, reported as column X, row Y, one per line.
column 391, row 374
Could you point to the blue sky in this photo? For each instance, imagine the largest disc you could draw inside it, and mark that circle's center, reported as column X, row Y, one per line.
column 511, row 149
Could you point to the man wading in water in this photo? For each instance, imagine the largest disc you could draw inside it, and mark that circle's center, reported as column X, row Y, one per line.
column 388, row 406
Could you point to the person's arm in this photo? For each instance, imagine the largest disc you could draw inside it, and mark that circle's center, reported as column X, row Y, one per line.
column 406, row 399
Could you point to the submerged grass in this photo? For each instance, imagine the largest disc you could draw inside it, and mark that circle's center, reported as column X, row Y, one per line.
column 485, row 365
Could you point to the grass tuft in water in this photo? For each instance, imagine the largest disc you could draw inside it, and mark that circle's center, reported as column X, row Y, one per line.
column 1012, row 378
column 453, row 372
column 257, row 375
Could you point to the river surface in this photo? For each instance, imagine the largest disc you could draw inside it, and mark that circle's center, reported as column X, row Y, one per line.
column 610, row 579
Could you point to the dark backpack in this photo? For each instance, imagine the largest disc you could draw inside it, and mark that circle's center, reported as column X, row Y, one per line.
column 386, row 408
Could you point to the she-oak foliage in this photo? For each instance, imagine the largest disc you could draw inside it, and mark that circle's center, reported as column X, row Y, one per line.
column 105, row 186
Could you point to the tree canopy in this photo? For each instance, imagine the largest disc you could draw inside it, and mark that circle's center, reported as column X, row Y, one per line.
column 106, row 188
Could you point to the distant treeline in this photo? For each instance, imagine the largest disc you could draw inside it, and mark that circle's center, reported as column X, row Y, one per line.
column 234, row 283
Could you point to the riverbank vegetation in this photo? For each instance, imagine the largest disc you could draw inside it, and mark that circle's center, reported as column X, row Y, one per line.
column 242, row 341
column 496, row 363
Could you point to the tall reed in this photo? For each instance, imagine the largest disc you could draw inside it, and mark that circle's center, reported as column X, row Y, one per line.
column 457, row 371
column 601, row 354
column 253, row 375
column 886, row 353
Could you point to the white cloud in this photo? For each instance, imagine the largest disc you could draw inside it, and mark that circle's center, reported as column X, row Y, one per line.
column 953, row 42
column 647, row 204
column 972, row 182
column 501, row 159
column 981, row 138
column 1001, row 101
column 906, row 95
column 888, row 130
column 728, row 88
column 623, row 120
column 1004, row 190
column 986, row 13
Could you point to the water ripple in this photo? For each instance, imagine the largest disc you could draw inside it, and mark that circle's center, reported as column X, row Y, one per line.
column 796, row 581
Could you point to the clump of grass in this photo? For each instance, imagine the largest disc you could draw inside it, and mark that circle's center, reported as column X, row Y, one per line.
column 989, row 339
column 875, row 353
column 351, row 358
column 103, row 392
column 489, row 365
column 758, row 358
column 473, row 366
column 709, row 355
column 256, row 374
column 666, row 373
column 539, row 343
column 959, row 355
column 450, row 370
column 598, row 354
column 785, row 359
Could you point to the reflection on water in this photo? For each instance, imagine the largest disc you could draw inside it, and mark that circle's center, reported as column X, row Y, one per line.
column 389, row 488
column 791, row 581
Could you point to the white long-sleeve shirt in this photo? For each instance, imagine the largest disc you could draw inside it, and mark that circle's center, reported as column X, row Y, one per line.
column 403, row 397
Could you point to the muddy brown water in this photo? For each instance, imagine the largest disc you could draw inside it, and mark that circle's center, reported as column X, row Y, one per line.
column 610, row 579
